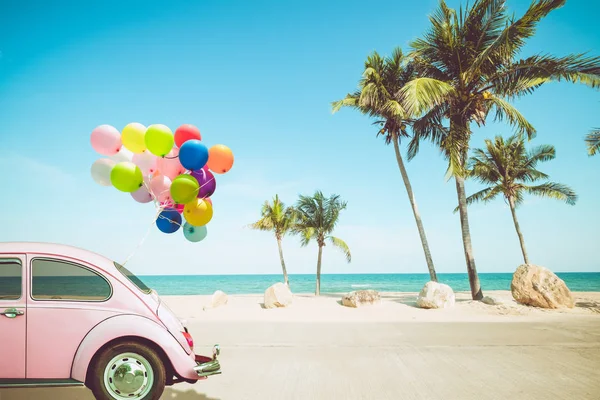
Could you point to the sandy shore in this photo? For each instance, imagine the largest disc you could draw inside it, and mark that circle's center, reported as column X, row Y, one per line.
column 318, row 349
column 394, row 307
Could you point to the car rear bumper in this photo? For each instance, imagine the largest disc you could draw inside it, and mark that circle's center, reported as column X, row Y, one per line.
column 207, row 366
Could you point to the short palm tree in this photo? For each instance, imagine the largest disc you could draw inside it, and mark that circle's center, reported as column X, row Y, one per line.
column 468, row 66
column 509, row 170
column 593, row 142
column 279, row 219
column 378, row 97
column 317, row 217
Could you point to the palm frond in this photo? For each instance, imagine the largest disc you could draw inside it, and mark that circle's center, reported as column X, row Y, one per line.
column 351, row 100
column 553, row 190
column 340, row 244
column 512, row 38
column 592, row 141
column 505, row 110
column 484, row 196
column 422, row 94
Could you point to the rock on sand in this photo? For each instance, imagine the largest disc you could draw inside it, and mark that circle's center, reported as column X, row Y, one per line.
column 436, row 295
column 278, row 295
column 360, row 298
column 537, row 286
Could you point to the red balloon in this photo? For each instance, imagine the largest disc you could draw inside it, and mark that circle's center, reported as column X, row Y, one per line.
column 186, row 132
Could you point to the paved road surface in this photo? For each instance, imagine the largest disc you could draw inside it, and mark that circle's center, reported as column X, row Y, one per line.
column 376, row 361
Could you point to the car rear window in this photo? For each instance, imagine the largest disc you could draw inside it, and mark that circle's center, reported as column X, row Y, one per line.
column 134, row 279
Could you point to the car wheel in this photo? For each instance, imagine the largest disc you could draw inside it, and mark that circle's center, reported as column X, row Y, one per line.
column 128, row 370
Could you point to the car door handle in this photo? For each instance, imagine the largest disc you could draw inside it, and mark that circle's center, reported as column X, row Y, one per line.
column 11, row 313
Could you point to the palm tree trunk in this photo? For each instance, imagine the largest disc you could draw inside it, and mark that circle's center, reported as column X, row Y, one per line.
column 413, row 204
column 285, row 275
column 476, row 293
column 318, row 289
column 521, row 240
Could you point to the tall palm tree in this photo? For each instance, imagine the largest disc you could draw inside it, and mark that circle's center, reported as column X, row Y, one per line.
column 317, row 218
column 509, row 169
column 378, row 97
column 593, row 142
column 467, row 65
column 279, row 219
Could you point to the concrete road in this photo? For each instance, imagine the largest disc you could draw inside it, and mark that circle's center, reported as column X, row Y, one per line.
column 377, row 361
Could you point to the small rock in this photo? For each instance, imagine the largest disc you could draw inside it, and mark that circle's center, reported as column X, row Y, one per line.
column 278, row 295
column 491, row 301
column 361, row 298
column 537, row 286
column 436, row 295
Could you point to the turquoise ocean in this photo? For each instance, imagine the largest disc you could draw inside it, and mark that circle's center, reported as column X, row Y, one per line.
column 338, row 283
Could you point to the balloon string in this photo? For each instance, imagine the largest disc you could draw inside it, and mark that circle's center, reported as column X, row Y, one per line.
column 159, row 209
column 141, row 242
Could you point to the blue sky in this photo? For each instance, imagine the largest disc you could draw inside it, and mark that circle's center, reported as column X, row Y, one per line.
column 259, row 77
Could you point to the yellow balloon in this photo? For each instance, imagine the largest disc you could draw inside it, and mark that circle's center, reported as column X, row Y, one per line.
column 133, row 137
column 198, row 212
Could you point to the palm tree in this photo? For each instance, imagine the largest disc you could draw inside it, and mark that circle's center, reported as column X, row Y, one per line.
column 509, row 170
column 593, row 142
column 467, row 67
column 377, row 97
column 279, row 219
column 317, row 218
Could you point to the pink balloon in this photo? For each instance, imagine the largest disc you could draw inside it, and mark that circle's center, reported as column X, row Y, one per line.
column 159, row 187
column 106, row 140
column 146, row 161
column 170, row 165
column 208, row 200
column 142, row 195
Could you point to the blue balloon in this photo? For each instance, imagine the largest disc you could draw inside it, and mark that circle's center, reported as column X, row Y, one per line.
column 193, row 155
column 169, row 220
column 194, row 233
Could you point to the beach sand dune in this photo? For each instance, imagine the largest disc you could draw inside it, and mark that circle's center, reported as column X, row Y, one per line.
column 318, row 349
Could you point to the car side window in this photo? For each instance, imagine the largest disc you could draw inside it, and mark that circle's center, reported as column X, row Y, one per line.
column 11, row 276
column 53, row 279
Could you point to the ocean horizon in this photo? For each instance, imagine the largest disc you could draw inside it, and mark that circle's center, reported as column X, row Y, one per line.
column 169, row 285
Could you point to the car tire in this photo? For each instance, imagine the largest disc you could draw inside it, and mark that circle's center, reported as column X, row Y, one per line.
column 128, row 370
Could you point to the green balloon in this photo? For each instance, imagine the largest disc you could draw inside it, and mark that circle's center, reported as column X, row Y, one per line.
column 184, row 189
column 159, row 140
column 126, row 176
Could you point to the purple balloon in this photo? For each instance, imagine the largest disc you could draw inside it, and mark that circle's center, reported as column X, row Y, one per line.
column 207, row 182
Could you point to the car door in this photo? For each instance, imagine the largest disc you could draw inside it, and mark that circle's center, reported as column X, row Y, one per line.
column 67, row 299
column 13, row 316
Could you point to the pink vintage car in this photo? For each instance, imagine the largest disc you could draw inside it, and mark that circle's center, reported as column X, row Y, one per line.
column 72, row 317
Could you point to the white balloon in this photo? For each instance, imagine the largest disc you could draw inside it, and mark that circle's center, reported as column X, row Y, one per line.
column 101, row 171
column 146, row 161
column 123, row 155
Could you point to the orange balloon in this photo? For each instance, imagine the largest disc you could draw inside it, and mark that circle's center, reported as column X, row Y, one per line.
column 220, row 159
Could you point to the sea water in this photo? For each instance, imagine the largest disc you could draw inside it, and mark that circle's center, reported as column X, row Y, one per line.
column 338, row 283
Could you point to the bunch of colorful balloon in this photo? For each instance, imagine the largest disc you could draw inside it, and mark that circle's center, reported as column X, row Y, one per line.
column 175, row 171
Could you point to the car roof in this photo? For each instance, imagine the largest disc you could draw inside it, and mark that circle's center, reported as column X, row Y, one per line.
column 53, row 249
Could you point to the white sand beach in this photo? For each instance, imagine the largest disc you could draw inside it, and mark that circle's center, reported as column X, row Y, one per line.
column 319, row 349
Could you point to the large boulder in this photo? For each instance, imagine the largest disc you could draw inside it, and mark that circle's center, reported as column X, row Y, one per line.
column 537, row 286
column 278, row 295
column 361, row 298
column 436, row 295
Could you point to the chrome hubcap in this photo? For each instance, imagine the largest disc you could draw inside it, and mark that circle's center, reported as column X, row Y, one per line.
column 127, row 376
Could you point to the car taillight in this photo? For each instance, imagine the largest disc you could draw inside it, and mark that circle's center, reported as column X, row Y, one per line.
column 189, row 339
